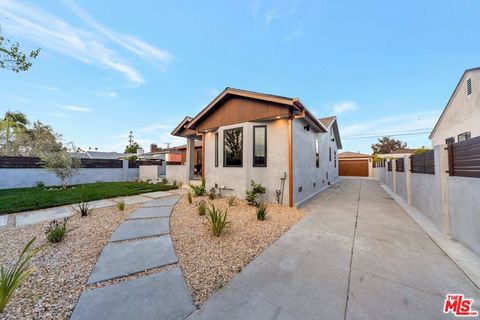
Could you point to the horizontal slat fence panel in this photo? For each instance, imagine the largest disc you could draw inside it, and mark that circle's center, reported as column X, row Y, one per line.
column 464, row 158
column 138, row 163
column 101, row 163
column 400, row 165
column 390, row 165
column 34, row 162
column 423, row 162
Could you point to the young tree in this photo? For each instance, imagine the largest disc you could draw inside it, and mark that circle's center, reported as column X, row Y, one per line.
column 387, row 145
column 11, row 58
column 62, row 165
column 132, row 146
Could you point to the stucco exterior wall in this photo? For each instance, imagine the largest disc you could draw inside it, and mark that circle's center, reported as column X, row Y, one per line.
column 401, row 181
column 426, row 196
column 236, row 180
column 464, row 210
column 463, row 114
column 177, row 173
column 151, row 172
column 379, row 174
column 389, row 179
column 306, row 175
column 24, row 178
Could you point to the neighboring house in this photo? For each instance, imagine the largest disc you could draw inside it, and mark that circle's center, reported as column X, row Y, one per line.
column 355, row 164
column 102, row 155
column 461, row 117
column 270, row 139
column 400, row 153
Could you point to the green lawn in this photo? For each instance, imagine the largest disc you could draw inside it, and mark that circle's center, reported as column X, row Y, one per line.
column 22, row 199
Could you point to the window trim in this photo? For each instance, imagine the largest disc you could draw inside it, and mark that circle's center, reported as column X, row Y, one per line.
column 334, row 158
column 253, row 154
column 330, row 154
column 216, row 149
column 450, row 138
column 467, row 134
column 224, row 157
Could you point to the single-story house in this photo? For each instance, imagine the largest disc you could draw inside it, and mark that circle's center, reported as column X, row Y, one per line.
column 355, row 164
column 461, row 117
column 273, row 140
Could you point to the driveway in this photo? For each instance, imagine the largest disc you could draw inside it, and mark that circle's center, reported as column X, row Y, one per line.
column 355, row 255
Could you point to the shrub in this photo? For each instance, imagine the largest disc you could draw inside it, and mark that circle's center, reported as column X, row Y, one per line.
column 40, row 184
column 201, row 207
column 62, row 165
column 199, row 191
column 212, row 194
column 84, row 209
column 121, row 205
column 189, row 197
column 174, row 183
column 12, row 278
column 56, row 230
column 232, row 200
column 256, row 190
column 261, row 211
column 216, row 220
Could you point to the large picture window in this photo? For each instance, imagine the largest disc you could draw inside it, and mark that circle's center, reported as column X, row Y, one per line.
column 260, row 146
column 233, row 147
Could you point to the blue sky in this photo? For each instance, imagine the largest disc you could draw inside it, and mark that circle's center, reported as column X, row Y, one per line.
column 108, row 67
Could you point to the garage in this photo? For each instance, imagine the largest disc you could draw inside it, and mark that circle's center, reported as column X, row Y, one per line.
column 354, row 164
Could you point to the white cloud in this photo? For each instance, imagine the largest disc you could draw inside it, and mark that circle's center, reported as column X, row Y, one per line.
column 49, row 88
column 109, row 94
column 271, row 14
column 157, row 126
column 344, row 106
column 91, row 45
column 77, row 108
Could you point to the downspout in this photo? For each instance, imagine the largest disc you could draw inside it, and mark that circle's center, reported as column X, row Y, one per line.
column 290, row 164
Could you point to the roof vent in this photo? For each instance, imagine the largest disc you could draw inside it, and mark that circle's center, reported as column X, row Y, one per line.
column 469, row 86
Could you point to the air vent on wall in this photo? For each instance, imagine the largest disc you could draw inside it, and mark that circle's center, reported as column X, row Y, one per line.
column 469, row 86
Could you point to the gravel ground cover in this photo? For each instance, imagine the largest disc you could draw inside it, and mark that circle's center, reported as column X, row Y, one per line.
column 63, row 268
column 208, row 262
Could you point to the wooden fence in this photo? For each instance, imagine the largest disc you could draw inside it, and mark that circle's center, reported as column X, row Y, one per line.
column 464, row 158
column 34, row 162
column 400, row 165
column 389, row 165
column 423, row 163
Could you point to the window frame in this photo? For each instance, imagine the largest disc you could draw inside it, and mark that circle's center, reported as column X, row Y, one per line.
column 317, row 153
column 330, row 154
column 467, row 135
column 450, row 140
column 216, row 149
column 253, row 154
column 224, row 150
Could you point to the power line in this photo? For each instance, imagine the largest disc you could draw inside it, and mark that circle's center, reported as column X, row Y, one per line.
column 387, row 135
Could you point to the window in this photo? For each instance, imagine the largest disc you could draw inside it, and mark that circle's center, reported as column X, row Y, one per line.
column 330, row 154
column 469, row 86
column 216, row 149
column 335, row 159
column 450, row 140
column 317, row 155
column 233, row 147
column 464, row 136
column 259, row 146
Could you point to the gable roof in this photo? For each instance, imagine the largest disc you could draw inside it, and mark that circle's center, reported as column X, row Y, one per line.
column 293, row 103
column 327, row 121
column 181, row 126
column 450, row 100
column 349, row 154
column 332, row 121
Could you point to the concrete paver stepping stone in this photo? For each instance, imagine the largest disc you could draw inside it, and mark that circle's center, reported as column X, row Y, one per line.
column 157, row 194
column 43, row 215
column 151, row 212
column 132, row 229
column 134, row 199
column 97, row 204
column 124, row 258
column 3, row 220
column 161, row 295
column 170, row 201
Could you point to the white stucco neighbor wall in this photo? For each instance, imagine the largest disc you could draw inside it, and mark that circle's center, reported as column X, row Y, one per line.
column 306, row 175
column 426, row 196
column 464, row 210
column 463, row 113
column 379, row 174
column 151, row 172
column 177, row 173
column 25, row 177
column 389, row 179
column 401, row 181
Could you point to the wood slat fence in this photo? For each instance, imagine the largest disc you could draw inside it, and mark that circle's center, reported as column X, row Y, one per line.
column 400, row 165
column 464, row 158
column 423, row 163
column 34, row 162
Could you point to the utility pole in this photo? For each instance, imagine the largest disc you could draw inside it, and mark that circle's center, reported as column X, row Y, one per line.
column 168, row 144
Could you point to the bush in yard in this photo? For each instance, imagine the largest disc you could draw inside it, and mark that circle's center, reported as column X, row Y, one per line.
column 11, row 278
column 232, row 200
column 56, row 230
column 212, row 194
column 200, row 190
column 189, row 197
column 62, row 165
column 201, row 207
column 121, row 205
column 217, row 220
column 40, row 184
column 256, row 190
column 84, row 209
column 261, row 212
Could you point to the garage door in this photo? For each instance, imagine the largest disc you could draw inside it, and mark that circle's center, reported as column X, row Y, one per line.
column 357, row 168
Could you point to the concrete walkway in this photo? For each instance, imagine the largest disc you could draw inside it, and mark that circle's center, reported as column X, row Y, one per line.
column 356, row 255
column 140, row 243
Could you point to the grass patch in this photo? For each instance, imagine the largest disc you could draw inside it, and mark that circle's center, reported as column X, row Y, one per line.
column 23, row 199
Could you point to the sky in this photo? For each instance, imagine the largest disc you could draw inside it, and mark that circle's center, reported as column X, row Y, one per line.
column 109, row 67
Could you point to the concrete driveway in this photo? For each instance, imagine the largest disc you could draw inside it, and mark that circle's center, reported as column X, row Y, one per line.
column 356, row 255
